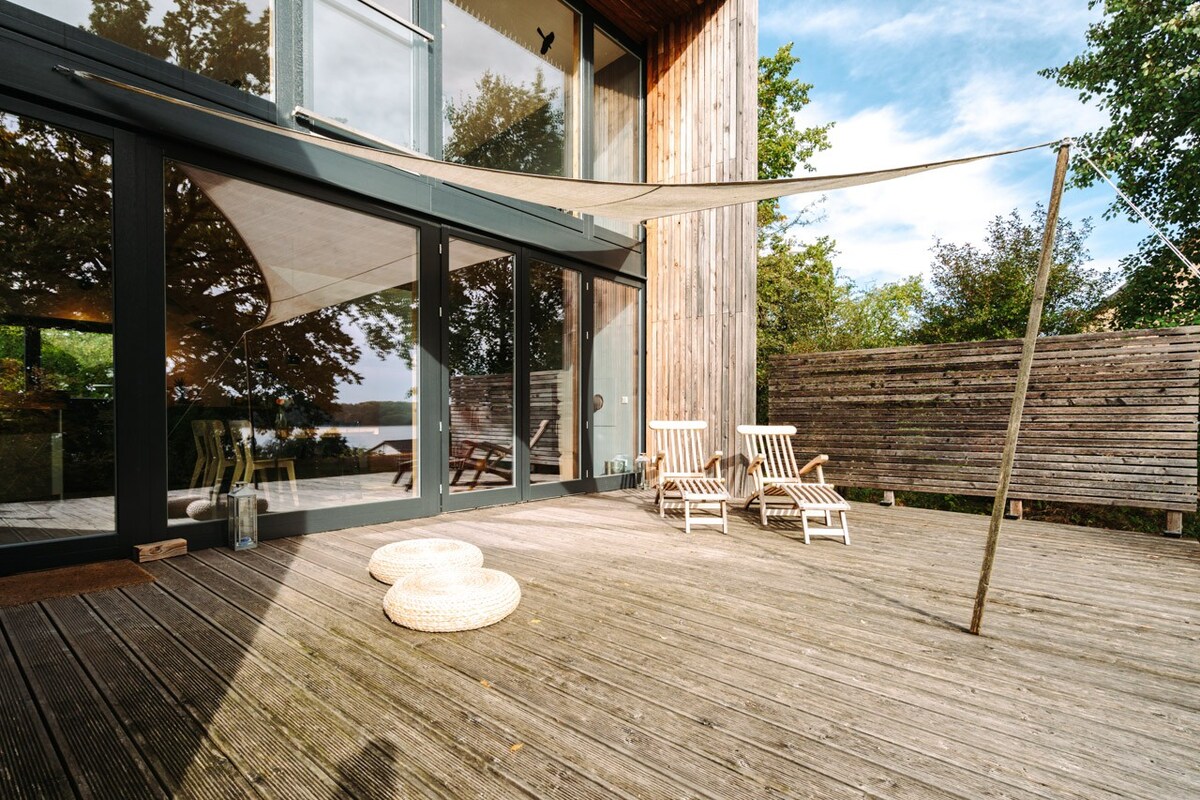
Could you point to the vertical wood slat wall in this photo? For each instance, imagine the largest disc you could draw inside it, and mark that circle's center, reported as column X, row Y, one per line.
column 702, row 125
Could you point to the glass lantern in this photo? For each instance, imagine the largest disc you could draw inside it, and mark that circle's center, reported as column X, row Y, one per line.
column 643, row 461
column 243, row 517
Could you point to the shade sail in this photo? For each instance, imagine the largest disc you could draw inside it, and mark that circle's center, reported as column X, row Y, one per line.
column 627, row 201
column 312, row 255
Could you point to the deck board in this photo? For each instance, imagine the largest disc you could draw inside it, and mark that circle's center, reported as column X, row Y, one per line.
column 642, row 662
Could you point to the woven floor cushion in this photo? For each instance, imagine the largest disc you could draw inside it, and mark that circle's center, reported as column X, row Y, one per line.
column 455, row 599
column 398, row 560
column 177, row 506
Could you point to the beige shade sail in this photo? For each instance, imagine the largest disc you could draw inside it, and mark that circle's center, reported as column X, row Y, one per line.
column 628, row 201
column 312, row 254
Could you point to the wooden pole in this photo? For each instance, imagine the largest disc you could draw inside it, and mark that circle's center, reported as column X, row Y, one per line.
column 1018, row 402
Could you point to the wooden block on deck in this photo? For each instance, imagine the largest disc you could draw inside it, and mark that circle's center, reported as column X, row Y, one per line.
column 158, row 550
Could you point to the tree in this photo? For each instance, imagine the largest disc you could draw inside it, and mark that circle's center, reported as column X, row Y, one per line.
column 804, row 305
column 782, row 144
column 1142, row 66
column 984, row 292
column 515, row 127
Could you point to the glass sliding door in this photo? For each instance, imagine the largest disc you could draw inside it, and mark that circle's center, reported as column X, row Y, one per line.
column 292, row 349
column 553, row 399
column 616, row 377
column 480, row 347
column 56, row 334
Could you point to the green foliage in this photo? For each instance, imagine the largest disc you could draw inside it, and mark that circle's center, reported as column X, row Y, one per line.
column 782, row 144
column 805, row 306
column 515, row 127
column 984, row 292
column 1142, row 66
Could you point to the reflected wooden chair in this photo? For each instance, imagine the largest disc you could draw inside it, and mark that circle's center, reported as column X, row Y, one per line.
column 780, row 488
column 202, row 471
column 487, row 458
column 255, row 467
column 682, row 474
column 223, row 457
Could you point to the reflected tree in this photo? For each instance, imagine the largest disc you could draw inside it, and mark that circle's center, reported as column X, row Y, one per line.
column 508, row 126
column 481, row 327
column 217, row 38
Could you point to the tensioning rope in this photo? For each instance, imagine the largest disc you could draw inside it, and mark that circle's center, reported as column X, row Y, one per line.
column 1170, row 245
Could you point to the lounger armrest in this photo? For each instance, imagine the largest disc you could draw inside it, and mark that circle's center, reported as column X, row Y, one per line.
column 755, row 464
column 715, row 461
column 816, row 462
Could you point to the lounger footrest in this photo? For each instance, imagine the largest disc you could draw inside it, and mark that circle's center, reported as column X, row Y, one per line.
column 814, row 496
column 702, row 490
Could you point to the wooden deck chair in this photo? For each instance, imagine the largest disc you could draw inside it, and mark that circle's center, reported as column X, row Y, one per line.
column 219, row 457
column 485, row 457
column 202, row 471
column 779, row 486
column 243, row 433
column 681, row 474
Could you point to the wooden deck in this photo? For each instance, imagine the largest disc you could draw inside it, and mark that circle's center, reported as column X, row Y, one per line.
column 641, row 663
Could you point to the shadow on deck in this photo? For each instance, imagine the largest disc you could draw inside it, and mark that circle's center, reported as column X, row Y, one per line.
column 641, row 663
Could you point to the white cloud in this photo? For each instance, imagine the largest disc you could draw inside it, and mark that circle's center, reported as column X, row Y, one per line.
column 995, row 107
column 884, row 230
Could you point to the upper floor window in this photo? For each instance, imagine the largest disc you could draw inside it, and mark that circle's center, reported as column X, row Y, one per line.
column 227, row 40
column 509, row 85
column 370, row 69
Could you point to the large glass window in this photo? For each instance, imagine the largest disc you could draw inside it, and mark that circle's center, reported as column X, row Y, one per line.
column 554, row 295
column 291, row 349
column 615, row 371
column 481, row 327
column 370, row 72
column 509, row 72
column 227, row 40
column 56, row 340
column 616, row 120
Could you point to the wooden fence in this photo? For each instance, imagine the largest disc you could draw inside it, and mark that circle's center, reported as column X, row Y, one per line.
column 481, row 409
column 1110, row 419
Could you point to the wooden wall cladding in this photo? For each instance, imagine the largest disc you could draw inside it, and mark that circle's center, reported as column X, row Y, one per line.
column 1110, row 418
column 701, row 125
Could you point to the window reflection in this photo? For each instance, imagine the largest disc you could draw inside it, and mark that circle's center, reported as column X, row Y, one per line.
column 370, row 72
column 227, row 40
column 291, row 349
column 616, row 121
column 508, row 85
column 481, row 334
column 554, row 295
column 615, row 377
column 56, row 342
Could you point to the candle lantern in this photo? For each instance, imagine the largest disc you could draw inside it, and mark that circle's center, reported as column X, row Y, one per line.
column 243, row 517
column 643, row 461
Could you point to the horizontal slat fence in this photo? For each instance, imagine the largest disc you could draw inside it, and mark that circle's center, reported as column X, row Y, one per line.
column 1110, row 418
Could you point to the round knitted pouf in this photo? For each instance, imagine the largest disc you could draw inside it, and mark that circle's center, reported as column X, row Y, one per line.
column 201, row 509
column 455, row 599
column 398, row 560
column 177, row 506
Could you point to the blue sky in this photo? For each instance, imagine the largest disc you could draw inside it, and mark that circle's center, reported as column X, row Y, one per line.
column 910, row 82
